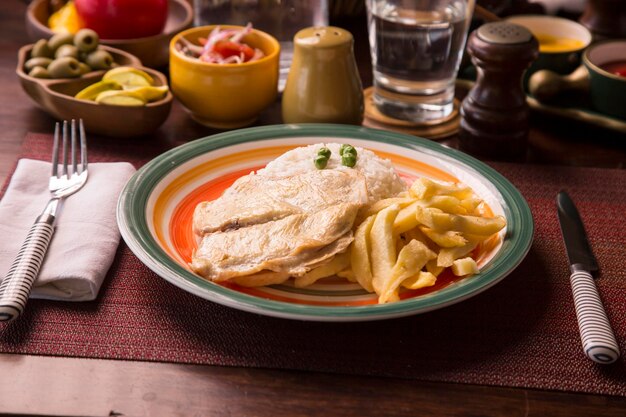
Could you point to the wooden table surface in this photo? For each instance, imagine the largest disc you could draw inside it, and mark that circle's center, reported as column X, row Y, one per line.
column 39, row 385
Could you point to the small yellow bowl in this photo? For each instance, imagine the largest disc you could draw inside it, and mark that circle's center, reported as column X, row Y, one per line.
column 225, row 96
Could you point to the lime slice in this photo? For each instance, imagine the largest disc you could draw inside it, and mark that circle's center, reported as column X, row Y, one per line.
column 129, row 76
column 150, row 93
column 92, row 91
column 120, row 98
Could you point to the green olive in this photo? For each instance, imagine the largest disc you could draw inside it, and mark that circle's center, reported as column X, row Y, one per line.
column 84, row 68
column 65, row 67
column 325, row 152
column 86, row 40
column 37, row 62
column 39, row 72
column 60, row 39
column 66, row 50
column 99, row 59
column 41, row 49
column 320, row 162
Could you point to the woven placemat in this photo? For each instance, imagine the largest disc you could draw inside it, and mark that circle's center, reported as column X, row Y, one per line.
column 520, row 333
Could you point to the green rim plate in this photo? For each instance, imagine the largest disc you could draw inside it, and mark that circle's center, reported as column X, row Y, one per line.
column 135, row 217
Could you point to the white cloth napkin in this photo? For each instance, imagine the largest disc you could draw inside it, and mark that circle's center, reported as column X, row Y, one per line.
column 86, row 235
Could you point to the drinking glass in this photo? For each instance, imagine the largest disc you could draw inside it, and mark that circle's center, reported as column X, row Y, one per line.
column 416, row 48
column 280, row 18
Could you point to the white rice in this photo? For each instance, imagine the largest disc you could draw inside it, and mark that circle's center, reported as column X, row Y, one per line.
column 380, row 177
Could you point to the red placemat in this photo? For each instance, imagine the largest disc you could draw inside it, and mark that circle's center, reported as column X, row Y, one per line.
column 520, row 333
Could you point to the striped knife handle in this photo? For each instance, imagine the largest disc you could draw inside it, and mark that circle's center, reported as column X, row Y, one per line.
column 16, row 285
column 598, row 340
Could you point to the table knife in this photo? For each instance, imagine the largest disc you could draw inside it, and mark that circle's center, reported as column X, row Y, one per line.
column 597, row 337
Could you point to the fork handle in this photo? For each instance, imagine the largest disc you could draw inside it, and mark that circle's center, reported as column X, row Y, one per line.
column 16, row 285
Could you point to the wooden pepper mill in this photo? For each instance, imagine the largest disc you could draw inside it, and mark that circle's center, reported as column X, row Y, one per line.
column 494, row 115
column 605, row 18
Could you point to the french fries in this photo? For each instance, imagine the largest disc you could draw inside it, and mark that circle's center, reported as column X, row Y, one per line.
column 360, row 254
column 408, row 266
column 383, row 247
column 408, row 241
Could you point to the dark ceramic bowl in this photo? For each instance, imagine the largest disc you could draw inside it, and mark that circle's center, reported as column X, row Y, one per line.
column 608, row 90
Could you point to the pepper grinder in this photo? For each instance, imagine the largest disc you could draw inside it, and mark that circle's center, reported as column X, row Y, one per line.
column 605, row 18
column 494, row 114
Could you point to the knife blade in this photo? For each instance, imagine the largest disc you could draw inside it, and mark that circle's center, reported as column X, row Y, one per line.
column 598, row 339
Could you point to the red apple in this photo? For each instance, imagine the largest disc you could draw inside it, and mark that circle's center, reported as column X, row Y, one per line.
column 123, row 19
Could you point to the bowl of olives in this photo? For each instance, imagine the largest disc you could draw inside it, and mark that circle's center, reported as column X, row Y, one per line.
column 52, row 72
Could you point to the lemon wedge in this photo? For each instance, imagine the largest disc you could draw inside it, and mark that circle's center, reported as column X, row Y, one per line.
column 120, row 98
column 129, row 76
column 92, row 91
column 150, row 93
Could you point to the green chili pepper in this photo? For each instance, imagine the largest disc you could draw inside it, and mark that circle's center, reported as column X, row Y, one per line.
column 320, row 161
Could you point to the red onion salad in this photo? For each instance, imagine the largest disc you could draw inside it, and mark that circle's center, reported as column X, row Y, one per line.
column 223, row 46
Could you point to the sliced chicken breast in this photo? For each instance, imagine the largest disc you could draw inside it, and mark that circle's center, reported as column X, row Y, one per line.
column 292, row 245
column 256, row 199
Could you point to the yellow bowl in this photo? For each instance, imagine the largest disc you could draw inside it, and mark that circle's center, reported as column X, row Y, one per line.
column 225, row 96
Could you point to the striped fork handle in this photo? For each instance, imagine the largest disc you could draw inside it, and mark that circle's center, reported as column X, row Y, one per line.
column 598, row 340
column 16, row 285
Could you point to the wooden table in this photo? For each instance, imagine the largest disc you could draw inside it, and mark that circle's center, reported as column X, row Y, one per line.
column 39, row 385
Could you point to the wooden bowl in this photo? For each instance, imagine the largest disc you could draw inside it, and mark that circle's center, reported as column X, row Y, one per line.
column 56, row 97
column 152, row 50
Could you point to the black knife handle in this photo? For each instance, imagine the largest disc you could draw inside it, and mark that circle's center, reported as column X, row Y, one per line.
column 598, row 340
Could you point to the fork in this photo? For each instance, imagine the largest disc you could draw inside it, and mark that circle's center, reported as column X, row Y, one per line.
column 15, row 287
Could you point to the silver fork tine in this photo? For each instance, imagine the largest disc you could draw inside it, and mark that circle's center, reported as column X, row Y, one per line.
column 65, row 148
column 55, row 151
column 83, row 145
column 74, row 155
